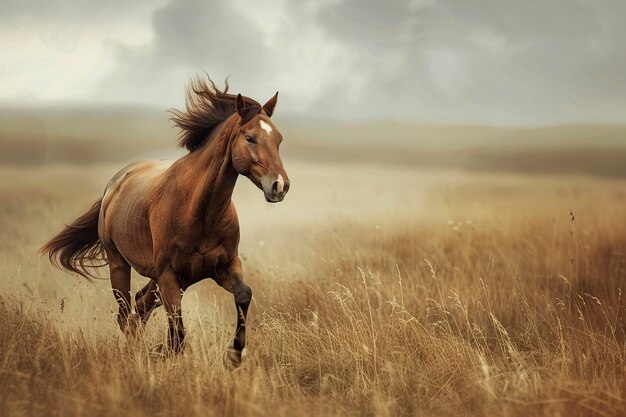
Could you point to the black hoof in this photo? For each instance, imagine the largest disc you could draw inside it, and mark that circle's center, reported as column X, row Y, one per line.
column 159, row 351
column 131, row 326
column 162, row 350
column 233, row 358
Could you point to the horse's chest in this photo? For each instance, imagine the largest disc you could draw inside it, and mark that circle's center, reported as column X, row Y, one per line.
column 208, row 259
column 201, row 251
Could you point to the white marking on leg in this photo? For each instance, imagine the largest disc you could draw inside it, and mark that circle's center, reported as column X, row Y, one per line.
column 281, row 183
column 242, row 317
column 265, row 126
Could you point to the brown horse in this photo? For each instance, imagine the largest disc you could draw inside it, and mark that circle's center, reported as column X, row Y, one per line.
column 175, row 223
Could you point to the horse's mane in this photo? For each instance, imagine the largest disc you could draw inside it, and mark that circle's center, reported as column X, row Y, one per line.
column 206, row 107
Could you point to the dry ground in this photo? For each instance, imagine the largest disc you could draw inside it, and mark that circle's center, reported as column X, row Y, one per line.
column 377, row 291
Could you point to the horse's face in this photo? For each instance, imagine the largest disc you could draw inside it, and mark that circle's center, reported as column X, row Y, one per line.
column 255, row 151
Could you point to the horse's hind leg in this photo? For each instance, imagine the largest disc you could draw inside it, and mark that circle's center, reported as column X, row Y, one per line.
column 171, row 293
column 146, row 301
column 120, row 283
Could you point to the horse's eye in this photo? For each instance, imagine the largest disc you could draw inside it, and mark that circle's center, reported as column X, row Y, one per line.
column 250, row 139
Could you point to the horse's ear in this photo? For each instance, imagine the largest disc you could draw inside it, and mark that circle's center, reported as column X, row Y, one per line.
column 269, row 106
column 241, row 106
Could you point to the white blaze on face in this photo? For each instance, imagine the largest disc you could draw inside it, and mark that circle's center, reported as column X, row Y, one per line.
column 265, row 126
column 281, row 183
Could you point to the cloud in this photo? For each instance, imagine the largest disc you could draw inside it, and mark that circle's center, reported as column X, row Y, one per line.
column 503, row 62
column 57, row 51
column 261, row 51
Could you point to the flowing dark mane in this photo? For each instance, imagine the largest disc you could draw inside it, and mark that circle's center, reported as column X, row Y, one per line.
column 206, row 107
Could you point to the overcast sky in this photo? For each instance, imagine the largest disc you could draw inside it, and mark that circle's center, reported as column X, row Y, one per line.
column 485, row 61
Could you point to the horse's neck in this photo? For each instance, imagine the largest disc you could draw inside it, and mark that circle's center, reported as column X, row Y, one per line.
column 215, row 177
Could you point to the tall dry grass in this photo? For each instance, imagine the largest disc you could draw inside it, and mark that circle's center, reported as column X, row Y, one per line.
column 505, row 300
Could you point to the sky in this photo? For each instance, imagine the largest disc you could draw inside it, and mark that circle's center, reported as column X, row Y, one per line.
column 499, row 62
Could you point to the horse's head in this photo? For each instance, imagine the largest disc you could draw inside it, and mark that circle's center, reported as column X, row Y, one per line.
column 255, row 149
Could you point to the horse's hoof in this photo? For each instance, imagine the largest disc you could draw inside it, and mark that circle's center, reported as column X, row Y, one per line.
column 164, row 351
column 159, row 351
column 134, row 328
column 233, row 358
column 131, row 326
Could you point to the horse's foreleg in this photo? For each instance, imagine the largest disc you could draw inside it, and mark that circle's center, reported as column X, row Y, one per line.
column 146, row 301
column 172, row 295
column 233, row 282
column 243, row 296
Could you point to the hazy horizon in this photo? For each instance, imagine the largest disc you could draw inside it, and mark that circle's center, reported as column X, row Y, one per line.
column 66, row 108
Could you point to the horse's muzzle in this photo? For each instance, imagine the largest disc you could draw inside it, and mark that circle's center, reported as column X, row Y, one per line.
column 275, row 190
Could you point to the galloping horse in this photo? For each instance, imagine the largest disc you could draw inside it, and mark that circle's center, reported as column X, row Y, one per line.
column 175, row 223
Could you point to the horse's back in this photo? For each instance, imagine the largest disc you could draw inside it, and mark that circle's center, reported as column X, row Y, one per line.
column 139, row 173
column 123, row 225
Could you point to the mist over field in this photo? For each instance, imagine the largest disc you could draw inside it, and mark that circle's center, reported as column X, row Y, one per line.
column 92, row 134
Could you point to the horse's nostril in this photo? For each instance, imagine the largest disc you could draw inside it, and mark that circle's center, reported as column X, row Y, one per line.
column 275, row 187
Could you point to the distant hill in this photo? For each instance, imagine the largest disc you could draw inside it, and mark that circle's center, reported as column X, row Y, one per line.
column 92, row 134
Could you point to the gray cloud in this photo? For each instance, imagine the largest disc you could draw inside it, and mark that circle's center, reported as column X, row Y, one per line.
column 493, row 61
column 499, row 61
column 190, row 37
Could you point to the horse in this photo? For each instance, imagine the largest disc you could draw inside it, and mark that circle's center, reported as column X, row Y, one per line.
column 175, row 222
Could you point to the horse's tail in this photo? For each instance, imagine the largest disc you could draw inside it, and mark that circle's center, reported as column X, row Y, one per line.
column 77, row 247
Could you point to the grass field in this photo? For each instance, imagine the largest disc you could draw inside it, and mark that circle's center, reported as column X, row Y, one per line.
column 378, row 291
